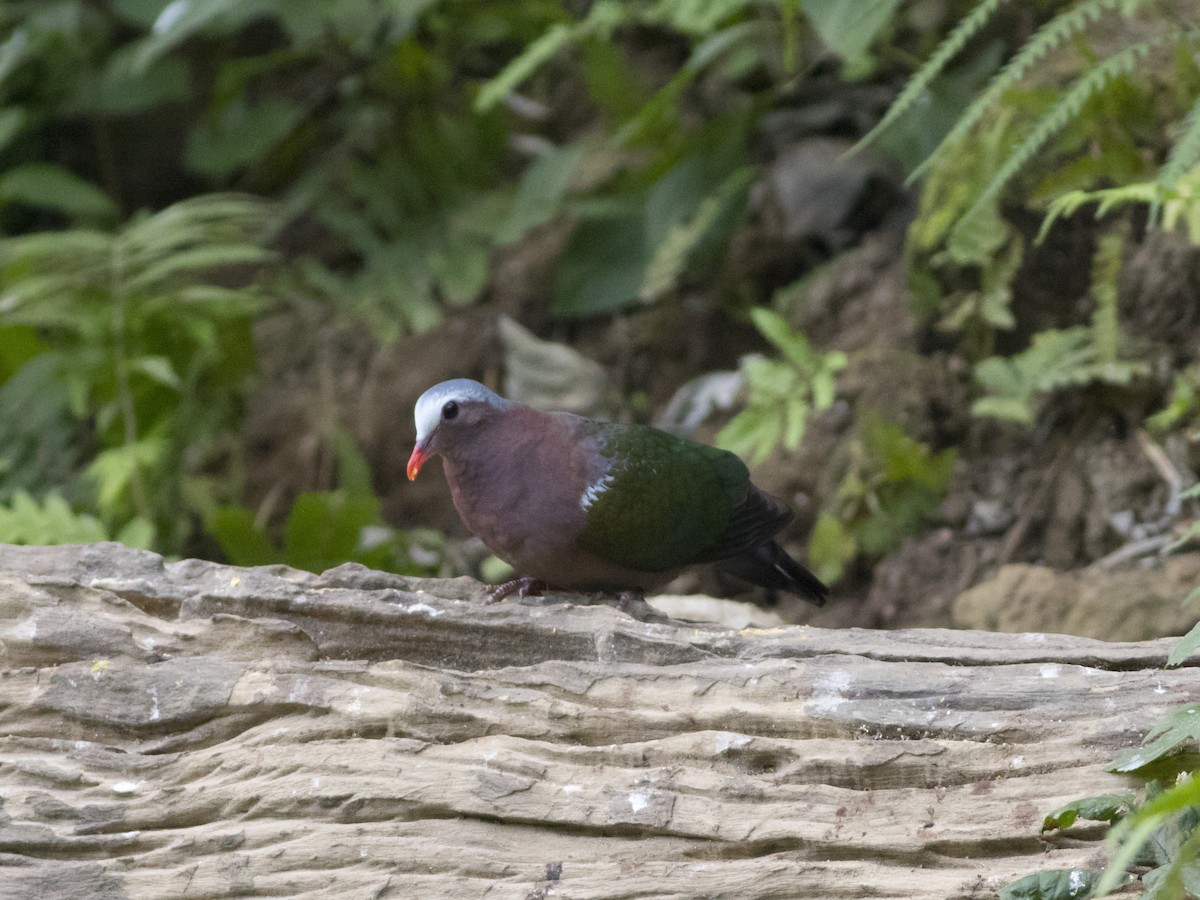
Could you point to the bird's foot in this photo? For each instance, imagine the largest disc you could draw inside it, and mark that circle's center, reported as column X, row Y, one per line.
column 625, row 599
column 522, row 587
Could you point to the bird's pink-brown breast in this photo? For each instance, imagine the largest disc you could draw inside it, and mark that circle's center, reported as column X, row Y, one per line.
column 516, row 480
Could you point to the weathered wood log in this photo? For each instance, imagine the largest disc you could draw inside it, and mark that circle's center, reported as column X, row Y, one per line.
column 197, row 730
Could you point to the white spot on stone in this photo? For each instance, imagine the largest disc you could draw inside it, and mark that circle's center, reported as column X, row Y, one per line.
column 1050, row 670
column 155, row 714
column 27, row 630
column 572, row 788
column 828, row 692
column 638, row 801
column 1018, row 762
column 731, row 740
column 316, row 783
column 126, row 787
column 362, row 854
column 1158, row 688
column 424, row 608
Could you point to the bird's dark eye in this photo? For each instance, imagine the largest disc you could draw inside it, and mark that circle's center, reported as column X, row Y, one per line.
column 450, row 410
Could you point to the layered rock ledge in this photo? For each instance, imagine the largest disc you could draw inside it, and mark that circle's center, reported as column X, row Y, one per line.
column 197, row 730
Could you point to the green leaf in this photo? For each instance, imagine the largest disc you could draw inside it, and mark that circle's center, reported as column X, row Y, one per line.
column 240, row 538
column 1011, row 408
column 1187, row 644
column 124, row 87
column 354, row 473
column 849, row 29
column 1056, row 884
column 602, row 268
column 795, row 419
column 241, row 135
column 13, row 52
column 831, row 547
column 52, row 187
column 541, row 191
column 13, row 120
column 753, row 433
column 50, row 520
column 179, row 20
column 139, row 533
column 324, row 529
column 159, row 369
column 530, row 60
column 1108, row 808
column 678, row 246
column 696, row 17
column 1129, row 837
column 113, row 470
column 1173, row 732
column 775, row 329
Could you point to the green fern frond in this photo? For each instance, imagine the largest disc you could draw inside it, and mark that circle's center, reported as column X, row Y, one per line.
column 1048, row 38
column 1068, row 204
column 1093, row 82
column 921, row 79
column 600, row 21
column 1185, row 154
column 1106, row 267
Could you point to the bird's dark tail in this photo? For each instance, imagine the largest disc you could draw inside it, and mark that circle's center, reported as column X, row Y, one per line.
column 767, row 565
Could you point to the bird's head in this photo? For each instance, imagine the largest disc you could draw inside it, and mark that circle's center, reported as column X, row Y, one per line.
column 446, row 412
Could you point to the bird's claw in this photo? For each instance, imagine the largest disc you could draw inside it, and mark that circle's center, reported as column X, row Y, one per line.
column 625, row 599
column 522, row 587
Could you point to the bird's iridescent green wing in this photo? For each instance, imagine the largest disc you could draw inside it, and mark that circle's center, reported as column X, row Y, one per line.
column 659, row 502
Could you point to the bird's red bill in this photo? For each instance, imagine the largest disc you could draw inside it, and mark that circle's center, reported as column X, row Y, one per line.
column 416, row 461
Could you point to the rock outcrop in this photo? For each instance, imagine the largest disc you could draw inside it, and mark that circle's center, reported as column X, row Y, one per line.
column 196, row 730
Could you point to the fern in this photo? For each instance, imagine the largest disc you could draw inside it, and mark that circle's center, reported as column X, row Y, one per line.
column 601, row 20
column 1185, row 153
column 685, row 237
column 1068, row 107
column 919, row 83
column 1048, row 38
column 1106, row 266
column 782, row 393
column 51, row 520
column 1175, row 204
column 1062, row 358
column 153, row 343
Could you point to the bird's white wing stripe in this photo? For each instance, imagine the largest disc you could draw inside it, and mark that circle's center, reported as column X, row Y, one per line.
column 593, row 491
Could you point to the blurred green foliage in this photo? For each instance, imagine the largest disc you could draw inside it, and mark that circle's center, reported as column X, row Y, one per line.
column 395, row 148
column 126, row 342
column 891, row 487
column 399, row 144
column 1096, row 109
column 782, row 394
column 327, row 528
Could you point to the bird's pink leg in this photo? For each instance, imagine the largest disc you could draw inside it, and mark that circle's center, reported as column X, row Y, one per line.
column 627, row 598
column 522, row 587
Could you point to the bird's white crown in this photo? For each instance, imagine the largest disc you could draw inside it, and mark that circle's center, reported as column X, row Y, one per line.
column 428, row 411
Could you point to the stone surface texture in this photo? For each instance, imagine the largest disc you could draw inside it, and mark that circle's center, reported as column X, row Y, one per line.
column 202, row 731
